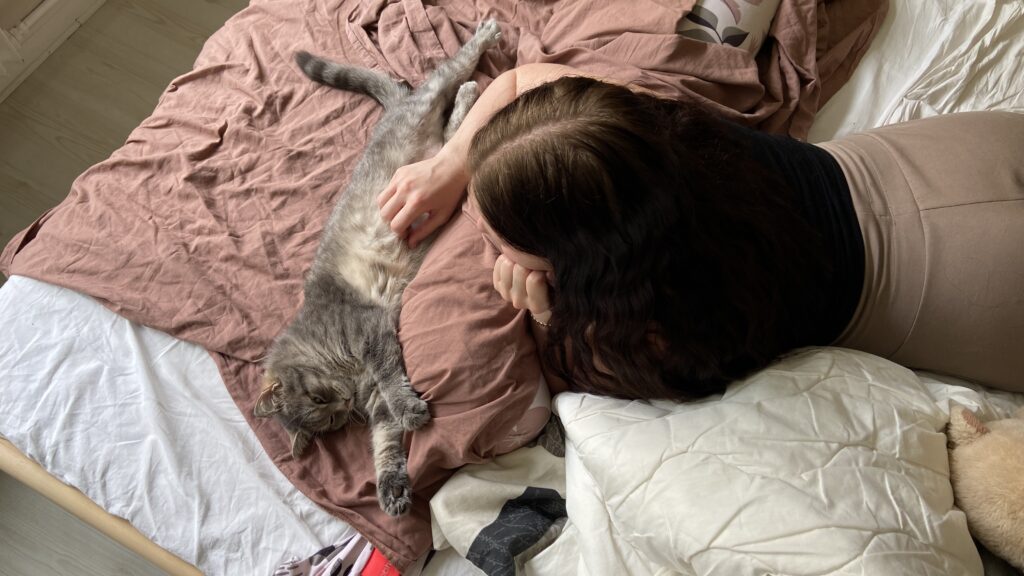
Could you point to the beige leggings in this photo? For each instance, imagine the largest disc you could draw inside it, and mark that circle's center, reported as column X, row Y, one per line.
column 941, row 207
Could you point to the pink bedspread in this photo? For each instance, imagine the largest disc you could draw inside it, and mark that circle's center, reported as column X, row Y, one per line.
column 204, row 222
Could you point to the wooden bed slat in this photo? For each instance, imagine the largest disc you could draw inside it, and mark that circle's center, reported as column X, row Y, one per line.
column 30, row 473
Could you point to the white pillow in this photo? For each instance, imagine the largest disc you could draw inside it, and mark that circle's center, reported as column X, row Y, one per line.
column 829, row 462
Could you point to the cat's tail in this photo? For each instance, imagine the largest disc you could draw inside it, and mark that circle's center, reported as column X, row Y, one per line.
column 378, row 86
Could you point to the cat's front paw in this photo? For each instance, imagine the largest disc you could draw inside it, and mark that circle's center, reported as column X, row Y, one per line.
column 393, row 492
column 489, row 31
column 412, row 413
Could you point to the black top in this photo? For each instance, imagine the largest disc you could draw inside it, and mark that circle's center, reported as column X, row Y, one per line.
column 823, row 198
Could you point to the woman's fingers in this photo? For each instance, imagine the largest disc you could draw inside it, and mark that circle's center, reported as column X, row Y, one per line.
column 518, row 288
column 405, row 217
column 388, row 193
column 525, row 289
column 391, row 208
column 496, row 277
column 503, row 277
column 397, row 197
column 434, row 221
column 537, row 292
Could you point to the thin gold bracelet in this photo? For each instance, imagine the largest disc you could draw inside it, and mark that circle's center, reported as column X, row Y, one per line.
column 534, row 318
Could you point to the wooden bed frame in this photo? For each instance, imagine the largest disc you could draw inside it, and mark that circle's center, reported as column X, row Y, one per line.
column 30, row 473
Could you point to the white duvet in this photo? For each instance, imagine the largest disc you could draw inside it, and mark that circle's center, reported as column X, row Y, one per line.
column 830, row 462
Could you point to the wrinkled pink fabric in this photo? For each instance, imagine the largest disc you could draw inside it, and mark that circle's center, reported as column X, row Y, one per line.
column 204, row 222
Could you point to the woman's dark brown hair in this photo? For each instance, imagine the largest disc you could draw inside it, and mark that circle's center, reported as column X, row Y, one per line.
column 676, row 258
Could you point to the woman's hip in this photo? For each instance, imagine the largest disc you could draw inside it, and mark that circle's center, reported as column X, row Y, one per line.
column 940, row 204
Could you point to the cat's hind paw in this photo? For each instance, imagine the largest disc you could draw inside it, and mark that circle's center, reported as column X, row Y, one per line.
column 393, row 492
column 466, row 95
column 489, row 31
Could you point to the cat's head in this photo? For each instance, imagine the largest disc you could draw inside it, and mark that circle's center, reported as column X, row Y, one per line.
column 307, row 400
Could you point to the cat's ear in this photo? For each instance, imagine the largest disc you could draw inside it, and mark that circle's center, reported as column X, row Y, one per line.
column 266, row 404
column 300, row 441
column 964, row 426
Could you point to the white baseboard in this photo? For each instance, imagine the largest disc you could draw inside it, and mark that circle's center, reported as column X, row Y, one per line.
column 24, row 47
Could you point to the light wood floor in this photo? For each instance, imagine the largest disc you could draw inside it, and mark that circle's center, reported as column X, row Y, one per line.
column 82, row 102
column 72, row 112
column 39, row 537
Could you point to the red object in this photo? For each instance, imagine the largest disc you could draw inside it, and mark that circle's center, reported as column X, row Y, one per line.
column 378, row 565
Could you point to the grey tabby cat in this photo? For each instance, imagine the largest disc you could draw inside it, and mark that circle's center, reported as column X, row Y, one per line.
column 340, row 360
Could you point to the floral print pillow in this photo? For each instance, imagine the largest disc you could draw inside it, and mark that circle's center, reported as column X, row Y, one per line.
column 740, row 23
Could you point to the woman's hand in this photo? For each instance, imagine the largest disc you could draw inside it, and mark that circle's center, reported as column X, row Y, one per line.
column 433, row 187
column 526, row 289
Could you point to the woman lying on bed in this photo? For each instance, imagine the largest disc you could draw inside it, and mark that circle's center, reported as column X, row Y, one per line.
column 686, row 251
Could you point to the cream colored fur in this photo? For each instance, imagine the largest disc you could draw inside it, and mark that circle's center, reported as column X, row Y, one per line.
column 986, row 462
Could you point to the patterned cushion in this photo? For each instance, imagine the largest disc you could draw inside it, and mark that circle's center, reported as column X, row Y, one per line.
column 740, row 23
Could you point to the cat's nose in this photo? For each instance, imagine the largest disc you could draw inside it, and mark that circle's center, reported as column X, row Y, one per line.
column 338, row 420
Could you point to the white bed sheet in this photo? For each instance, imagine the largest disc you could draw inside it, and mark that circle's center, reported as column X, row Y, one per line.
column 142, row 424
column 932, row 57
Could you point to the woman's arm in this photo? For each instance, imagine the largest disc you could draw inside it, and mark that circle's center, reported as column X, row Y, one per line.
column 505, row 88
column 435, row 186
column 540, row 336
